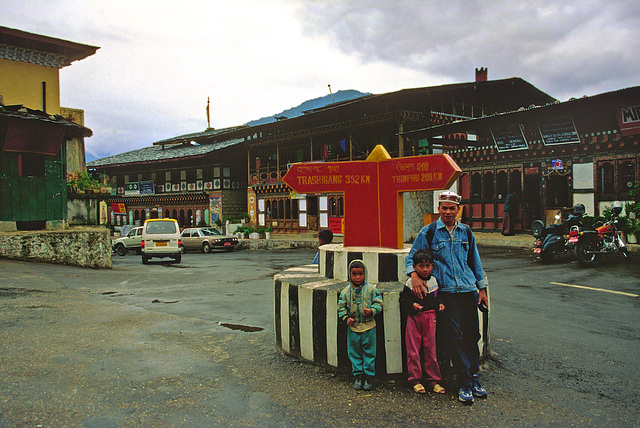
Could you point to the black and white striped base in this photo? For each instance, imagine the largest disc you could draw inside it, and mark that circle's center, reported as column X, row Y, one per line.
column 306, row 308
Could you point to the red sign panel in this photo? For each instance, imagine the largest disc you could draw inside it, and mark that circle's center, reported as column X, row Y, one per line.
column 372, row 190
column 118, row 208
column 335, row 225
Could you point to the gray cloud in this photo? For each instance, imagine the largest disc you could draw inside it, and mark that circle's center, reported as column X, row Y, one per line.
column 565, row 49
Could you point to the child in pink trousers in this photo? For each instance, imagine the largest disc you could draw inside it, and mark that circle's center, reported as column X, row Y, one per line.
column 420, row 334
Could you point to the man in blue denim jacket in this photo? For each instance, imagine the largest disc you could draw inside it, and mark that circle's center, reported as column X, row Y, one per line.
column 458, row 269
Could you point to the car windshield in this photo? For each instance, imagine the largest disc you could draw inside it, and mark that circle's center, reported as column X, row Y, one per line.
column 209, row 232
column 160, row 227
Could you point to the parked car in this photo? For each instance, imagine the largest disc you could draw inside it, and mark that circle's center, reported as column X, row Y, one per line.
column 161, row 238
column 206, row 239
column 129, row 242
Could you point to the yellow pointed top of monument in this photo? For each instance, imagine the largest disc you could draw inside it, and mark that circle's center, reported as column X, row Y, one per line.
column 378, row 154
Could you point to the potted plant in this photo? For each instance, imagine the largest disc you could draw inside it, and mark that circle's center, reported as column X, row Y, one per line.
column 85, row 182
column 267, row 232
column 72, row 184
column 103, row 180
column 633, row 211
column 252, row 232
column 633, row 237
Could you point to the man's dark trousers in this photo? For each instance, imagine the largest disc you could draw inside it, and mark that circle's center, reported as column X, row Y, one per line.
column 461, row 333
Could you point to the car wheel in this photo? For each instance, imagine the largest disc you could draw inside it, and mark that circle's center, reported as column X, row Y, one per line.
column 182, row 249
column 145, row 259
column 178, row 258
column 121, row 250
column 206, row 247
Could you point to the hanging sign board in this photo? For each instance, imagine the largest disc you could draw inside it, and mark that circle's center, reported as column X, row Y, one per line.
column 131, row 188
column 629, row 119
column 557, row 164
column 558, row 130
column 146, row 187
column 118, row 208
column 508, row 137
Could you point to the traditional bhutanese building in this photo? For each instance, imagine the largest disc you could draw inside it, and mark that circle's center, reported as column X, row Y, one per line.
column 584, row 150
column 256, row 158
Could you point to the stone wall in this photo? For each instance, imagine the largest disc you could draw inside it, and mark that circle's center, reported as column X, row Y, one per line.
column 85, row 248
column 275, row 244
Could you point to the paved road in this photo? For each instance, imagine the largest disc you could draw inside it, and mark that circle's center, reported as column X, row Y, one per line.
column 191, row 344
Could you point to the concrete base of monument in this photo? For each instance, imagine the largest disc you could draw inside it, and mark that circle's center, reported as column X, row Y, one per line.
column 306, row 309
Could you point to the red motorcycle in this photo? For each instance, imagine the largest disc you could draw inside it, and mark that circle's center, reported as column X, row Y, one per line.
column 604, row 238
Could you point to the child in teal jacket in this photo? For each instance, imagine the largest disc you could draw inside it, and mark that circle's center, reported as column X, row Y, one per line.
column 359, row 302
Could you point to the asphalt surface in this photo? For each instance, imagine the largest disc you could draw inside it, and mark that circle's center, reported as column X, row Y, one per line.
column 192, row 344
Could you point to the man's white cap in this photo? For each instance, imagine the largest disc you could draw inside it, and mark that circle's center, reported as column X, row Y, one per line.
column 449, row 196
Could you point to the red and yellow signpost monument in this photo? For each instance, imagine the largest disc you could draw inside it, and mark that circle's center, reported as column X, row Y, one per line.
column 373, row 209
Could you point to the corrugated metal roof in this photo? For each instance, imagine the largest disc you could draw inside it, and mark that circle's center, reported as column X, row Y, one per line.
column 198, row 135
column 159, row 153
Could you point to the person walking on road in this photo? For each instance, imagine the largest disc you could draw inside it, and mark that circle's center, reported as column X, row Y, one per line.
column 462, row 288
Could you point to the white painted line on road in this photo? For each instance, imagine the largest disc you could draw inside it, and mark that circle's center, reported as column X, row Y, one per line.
column 596, row 289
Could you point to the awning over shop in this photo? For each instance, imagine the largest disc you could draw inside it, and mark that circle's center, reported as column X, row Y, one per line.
column 24, row 130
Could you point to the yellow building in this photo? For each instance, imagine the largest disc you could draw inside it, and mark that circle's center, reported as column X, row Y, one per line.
column 35, row 139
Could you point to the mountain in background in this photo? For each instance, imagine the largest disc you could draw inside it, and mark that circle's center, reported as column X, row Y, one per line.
column 339, row 96
column 345, row 95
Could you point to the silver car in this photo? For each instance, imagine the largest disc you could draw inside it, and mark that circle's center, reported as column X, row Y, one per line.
column 206, row 239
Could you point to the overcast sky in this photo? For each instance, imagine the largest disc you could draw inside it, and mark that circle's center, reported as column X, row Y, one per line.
column 159, row 60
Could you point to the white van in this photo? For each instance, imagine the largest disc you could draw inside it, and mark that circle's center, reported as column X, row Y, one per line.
column 161, row 238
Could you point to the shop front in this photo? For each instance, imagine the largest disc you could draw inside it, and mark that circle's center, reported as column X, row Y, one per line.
column 286, row 211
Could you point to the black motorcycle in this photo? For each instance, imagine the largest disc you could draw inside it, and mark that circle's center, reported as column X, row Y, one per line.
column 553, row 240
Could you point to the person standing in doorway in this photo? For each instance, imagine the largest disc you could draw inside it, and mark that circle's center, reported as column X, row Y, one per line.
column 510, row 207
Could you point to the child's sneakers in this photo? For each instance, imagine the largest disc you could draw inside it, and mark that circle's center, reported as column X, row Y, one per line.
column 357, row 385
column 368, row 386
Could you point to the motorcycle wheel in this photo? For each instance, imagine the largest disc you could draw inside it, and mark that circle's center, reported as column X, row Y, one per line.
column 584, row 258
column 547, row 256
